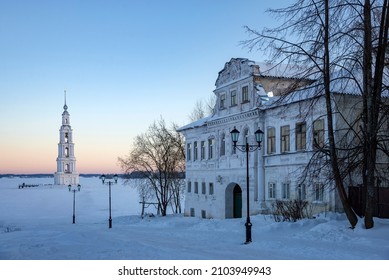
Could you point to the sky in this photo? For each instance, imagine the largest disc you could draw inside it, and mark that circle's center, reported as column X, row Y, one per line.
column 124, row 65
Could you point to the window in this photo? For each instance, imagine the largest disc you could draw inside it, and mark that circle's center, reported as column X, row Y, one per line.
column 246, row 135
column 211, row 190
column 223, row 145
column 189, row 188
column 211, row 144
column 272, row 190
column 222, row 101
column 301, row 192
column 285, row 191
column 233, row 98
column 188, row 151
column 196, row 190
column 271, row 140
column 195, row 151
column 319, row 192
column 67, row 167
column 301, row 129
column 66, row 152
column 66, row 137
column 203, row 214
column 203, row 188
column 192, row 212
column 233, row 150
column 202, row 150
column 245, row 94
column 285, row 139
column 318, row 134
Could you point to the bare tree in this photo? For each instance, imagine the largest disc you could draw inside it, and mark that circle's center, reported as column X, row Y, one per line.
column 342, row 46
column 158, row 155
column 203, row 108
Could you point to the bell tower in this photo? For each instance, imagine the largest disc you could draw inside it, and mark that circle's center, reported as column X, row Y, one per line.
column 66, row 162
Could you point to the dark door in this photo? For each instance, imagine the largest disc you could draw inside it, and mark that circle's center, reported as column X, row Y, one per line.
column 237, row 202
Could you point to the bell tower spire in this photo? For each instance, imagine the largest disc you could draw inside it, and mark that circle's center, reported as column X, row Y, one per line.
column 65, row 107
column 66, row 161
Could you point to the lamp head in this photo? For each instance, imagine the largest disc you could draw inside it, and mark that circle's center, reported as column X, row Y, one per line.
column 234, row 135
column 259, row 136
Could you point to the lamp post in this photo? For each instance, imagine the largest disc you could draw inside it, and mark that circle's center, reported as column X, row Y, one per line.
column 73, row 189
column 247, row 148
column 109, row 183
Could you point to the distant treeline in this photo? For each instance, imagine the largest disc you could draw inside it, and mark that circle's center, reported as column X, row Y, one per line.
column 44, row 175
column 140, row 175
column 133, row 175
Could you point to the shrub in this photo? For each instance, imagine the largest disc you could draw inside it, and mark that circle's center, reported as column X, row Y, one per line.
column 290, row 210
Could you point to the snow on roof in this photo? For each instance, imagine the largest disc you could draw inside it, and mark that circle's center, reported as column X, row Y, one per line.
column 282, row 70
column 198, row 123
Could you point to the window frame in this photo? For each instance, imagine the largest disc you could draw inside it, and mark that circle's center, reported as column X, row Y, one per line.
column 222, row 101
column 233, row 98
column 195, row 151
column 272, row 190
column 285, row 138
column 318, row 192
column 301, row 191
column 286, row 190
column 211, row 189
column 271, row 140
column 202, row 150
column 301, row 136
column 223, row 145
column 245, row 94
column 211, row 146
column 318, row 134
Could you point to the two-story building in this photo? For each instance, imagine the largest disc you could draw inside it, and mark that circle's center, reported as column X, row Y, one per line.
column 249, row 97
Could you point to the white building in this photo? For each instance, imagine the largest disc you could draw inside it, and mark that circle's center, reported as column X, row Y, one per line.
column 216, row 174
column 66, row 162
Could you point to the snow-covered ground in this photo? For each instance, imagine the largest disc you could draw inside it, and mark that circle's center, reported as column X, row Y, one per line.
column 36, row 224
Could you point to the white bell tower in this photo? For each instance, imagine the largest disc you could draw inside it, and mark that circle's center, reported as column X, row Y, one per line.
column 66, row 162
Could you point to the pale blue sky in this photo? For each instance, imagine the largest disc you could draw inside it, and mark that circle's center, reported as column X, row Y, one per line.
column 123, row 64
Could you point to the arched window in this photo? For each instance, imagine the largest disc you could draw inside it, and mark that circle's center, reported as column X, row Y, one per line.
column 246, row 135
column 211, row 146
column 223, row 145
column 66, row 152
column 301, row 192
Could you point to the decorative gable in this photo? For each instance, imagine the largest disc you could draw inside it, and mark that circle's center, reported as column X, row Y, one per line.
column 235, row 69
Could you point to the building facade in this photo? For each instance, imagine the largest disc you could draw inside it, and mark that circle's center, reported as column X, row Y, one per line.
column 248, row 99
column 66, row 161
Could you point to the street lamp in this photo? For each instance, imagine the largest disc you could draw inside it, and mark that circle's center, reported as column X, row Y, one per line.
column 73, row 189
column 109, row 183
column 247, row 148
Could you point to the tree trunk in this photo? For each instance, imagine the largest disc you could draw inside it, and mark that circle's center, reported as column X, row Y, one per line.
column 333, row 155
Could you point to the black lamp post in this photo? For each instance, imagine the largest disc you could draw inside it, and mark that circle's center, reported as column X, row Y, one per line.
column 109, row 183
column 74, row 199
column 247, row 148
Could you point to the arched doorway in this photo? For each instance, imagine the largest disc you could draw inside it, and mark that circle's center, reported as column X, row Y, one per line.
column 233, row 201
column 237, row 199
